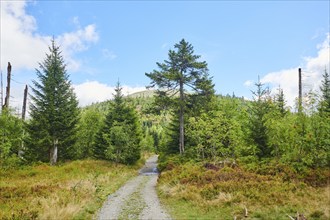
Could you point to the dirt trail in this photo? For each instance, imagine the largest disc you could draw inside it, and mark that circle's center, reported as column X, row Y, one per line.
column 137, row 199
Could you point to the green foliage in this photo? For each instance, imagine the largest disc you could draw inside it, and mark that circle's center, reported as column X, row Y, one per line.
column 90, row 122
column 182, row 66
column 300, row 139
column 325, row 96
column 119, row 138
column 280, row 102
column 53, row 111
column 121, row 145
column 11, row 130
column 214, row 134
column 236, row 111
column 258, row 130
column 181, row 70
column 148, row 141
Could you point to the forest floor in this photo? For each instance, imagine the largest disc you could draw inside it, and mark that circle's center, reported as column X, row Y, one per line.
column 137, row 199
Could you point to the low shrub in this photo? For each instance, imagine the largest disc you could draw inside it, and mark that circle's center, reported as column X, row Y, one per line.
column 269, row 191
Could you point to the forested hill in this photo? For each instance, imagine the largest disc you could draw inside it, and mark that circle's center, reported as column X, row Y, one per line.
column 215, row 151
column 144, row 98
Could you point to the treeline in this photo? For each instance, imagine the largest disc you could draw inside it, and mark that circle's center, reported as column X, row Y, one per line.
column 58, row 130
column 209, row 127
column 185, row 117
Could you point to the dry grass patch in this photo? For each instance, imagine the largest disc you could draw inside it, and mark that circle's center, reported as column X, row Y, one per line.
column 71, row 190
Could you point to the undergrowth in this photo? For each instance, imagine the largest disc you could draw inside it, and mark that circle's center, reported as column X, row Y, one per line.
column 220, row 191
column 73, row 190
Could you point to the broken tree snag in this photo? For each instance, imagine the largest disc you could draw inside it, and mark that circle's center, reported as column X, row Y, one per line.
column 21, row 151
column 24, row 102
column 6, row 105
column 1, row 87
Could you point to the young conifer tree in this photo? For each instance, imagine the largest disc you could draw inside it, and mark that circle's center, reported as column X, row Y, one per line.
column 325, row 96
column 258, row 130
column 280, row 102
column 53, row 110
column 119, row 139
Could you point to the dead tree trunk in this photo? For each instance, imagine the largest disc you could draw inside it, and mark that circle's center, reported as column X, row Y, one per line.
column 24, row 102
column 1, row 87
column 6, row 105
column 181, row 138
column 300, row 91
column 21, row 151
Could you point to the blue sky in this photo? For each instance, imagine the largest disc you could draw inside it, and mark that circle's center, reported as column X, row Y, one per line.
column 103, row 41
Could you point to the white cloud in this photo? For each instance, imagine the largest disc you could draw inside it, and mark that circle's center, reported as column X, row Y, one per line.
column 93, row 91
column 109, row 55
column 312, row 70
column 24, row 47
column 19, row 44
column 287, row 79
column 77, row 41
column 248, row 83
column 318, row 63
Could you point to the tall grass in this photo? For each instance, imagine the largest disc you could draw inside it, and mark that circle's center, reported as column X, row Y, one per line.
column 74, row 190
column 196, row 191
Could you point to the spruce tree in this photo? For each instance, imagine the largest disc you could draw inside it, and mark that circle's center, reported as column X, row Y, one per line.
column 258, row 129
column 180, row 72
column 325, row 96
column 280, row 102
column 54, row 111
column 119, row 138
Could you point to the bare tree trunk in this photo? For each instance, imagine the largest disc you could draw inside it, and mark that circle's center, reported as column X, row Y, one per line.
column 181, row 139
column 1, row 87
column 300, row 91
column 53, row 153
column 24, row 102
column 6, row 105
column 21, row 151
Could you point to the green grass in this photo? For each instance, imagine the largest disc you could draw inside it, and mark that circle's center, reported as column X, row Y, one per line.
column 191, row 191
column 74, row 190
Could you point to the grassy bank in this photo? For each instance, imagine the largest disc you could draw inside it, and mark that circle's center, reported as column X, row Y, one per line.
column 74, row 190
column 205, row 191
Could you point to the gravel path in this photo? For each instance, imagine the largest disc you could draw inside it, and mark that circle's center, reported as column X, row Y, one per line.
column 137, row 199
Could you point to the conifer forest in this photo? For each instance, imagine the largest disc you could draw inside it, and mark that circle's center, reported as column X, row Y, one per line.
column 247, row 159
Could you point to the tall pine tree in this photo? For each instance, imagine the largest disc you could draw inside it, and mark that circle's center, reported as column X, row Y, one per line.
column 54, row 111
column 180, row 72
